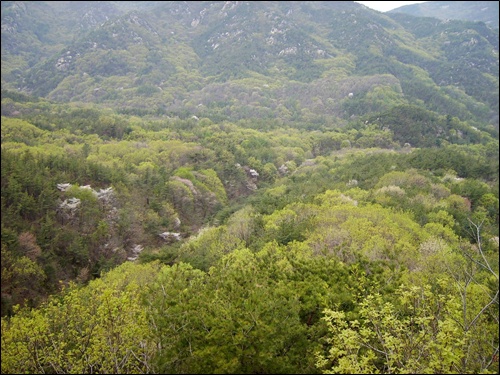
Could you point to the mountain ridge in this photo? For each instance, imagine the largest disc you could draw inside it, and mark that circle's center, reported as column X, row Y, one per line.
column 164, row 57
column 477, row 11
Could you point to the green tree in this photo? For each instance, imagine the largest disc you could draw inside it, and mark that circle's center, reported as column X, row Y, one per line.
column 417, row 333
column 99, row 328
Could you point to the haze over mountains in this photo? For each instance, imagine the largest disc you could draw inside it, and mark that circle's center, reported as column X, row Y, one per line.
column 484, row 11
column 319, row 62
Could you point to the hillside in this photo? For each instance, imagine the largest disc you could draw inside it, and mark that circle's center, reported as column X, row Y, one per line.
column 240, row 60
column 476, row 11
column 247, row 187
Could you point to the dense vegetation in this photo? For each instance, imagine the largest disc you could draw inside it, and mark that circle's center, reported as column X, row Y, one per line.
column 343, row 234
column 248, row 217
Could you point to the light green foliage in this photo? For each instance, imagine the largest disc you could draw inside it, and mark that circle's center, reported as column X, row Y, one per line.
column 375, row 138
column 16, row 130
column 152, row 222
column 338, row 67
column 173, row 302
column 491, row 203
column 100, row 328
column 259, row 312
column 84, row 194
column 337, row 226
column 442, row 232
column 409, row 180
column 210, row 245
column 243, row 224
column 208, row 179
column 289, row 224
column 196, row 194
column 441, row 217
column 416, row 333
column 268, row 172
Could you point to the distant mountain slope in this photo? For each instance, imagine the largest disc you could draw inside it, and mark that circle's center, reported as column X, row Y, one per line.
column 484, row 11
column 320, row 63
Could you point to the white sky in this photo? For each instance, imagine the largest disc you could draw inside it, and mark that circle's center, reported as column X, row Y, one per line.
column 385, row 6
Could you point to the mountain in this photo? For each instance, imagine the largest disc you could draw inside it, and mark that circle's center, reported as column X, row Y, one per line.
column 247, row 187
column 483, row 11
column 312, row 62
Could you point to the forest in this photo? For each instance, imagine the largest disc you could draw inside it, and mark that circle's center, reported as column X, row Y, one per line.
column 146, row 245
column 326, row 215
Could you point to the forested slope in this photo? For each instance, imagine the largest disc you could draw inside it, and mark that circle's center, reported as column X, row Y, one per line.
column 228, row 187
column 283, row 240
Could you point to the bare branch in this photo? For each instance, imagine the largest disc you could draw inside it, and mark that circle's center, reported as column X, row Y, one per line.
column 482, row 310
column 478, row 240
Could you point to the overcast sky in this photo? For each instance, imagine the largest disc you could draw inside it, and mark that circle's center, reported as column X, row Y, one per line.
column 385, row 6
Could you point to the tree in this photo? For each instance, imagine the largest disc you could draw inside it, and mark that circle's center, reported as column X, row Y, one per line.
column 22, row 278
column 243, row 224
column 99, row 328
column 476, row 280
column 416, row 333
